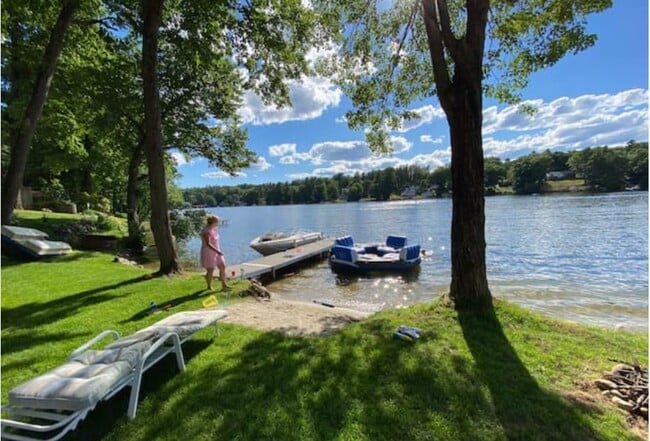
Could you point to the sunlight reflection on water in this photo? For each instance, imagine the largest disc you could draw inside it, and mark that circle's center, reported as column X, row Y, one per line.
column 580, row 258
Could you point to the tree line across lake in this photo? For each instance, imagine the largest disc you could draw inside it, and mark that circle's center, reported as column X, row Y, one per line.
column 601, row 169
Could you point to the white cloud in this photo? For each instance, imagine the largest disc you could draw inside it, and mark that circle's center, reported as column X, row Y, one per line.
column 349, row 151
column 400, row 144
column 438, row 157
column 431, row 140
column 341, row 119
column 563, row 111
column 282, row 149
column 295, row 158
column 567, row 124
column 222, row 175
column 309, row 99
column 340, row 167
column 564, row 124
column 597, row 131
column 260, row 164
column 432, row 161
column 426, row 114
column 339, row 151
column 178, row 158
column 288, row 160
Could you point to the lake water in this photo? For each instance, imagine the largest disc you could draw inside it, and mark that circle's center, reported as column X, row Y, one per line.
column 582, row 258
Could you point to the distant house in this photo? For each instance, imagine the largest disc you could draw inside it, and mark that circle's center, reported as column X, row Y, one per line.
column 559, row 175
column 409, row 192
column 429, row 193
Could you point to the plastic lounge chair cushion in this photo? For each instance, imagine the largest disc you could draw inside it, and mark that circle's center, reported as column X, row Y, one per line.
column 81, row 382
column 185, row 323
column 140, row 336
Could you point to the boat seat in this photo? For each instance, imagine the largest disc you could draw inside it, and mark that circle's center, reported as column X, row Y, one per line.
column 345, row 253
column 409, row 253
column 396, row 242
column 345, row 241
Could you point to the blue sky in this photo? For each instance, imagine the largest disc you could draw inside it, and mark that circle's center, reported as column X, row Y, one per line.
column 597, row 97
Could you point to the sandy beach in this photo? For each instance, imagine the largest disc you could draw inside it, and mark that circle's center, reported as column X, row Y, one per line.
column 291, row 317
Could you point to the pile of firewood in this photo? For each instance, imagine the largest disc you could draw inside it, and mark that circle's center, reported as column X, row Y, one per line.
column 257, row 291
column 627, row 386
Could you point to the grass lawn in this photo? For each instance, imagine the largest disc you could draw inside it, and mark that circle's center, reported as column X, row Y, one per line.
column 44, row 221
column 512, row 376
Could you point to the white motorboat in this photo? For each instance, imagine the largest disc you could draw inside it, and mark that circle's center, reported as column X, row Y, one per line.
column 271, row 243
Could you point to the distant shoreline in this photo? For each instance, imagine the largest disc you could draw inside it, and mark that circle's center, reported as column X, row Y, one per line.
column 568, row 186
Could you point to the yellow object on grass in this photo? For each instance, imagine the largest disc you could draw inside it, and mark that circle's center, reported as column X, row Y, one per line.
column 210, row 302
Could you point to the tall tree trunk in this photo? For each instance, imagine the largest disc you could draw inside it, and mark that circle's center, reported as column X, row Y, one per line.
column 462, row 100
column 469, row 286
column 153, row 147
column 22, row 143
column 132, row 215
column 87, row 172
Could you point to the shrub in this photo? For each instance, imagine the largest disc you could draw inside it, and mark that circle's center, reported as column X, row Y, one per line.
column 103, row 223
column 187, row 223
column 52, row 189
column 71, row 232
column 95, row 202
column 197, row 217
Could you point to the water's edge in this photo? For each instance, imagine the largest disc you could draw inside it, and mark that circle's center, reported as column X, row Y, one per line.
column 578, row 258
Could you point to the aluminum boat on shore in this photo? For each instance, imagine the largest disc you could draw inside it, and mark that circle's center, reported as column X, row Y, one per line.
column 32, row 242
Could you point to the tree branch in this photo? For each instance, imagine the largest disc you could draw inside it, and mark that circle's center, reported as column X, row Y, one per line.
column 437, row 53
column 403, row 39
column 105, row 21
column 400, row 46
column 452, row 43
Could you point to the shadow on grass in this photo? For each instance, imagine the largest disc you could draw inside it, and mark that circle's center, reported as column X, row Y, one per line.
column 13, row 257
column 19, row 341
column 358, row 384
column 32, row 315
column 524, row 410
column 344, row 387
column 107, row 413
column 172, row 303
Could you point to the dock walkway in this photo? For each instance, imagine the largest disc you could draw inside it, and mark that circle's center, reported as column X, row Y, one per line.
column 269, row 265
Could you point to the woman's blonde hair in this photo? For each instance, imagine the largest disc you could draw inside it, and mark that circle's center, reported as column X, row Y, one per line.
column 212, row 219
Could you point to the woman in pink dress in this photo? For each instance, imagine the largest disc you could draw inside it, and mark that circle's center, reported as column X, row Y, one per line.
column 211, row 255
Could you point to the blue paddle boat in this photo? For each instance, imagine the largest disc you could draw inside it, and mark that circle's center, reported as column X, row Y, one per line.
column 392, row 256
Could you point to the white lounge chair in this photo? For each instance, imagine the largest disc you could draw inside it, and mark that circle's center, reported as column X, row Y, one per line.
column 54, row 403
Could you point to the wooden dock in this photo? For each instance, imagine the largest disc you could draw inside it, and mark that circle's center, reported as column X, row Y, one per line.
column 269, row 265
